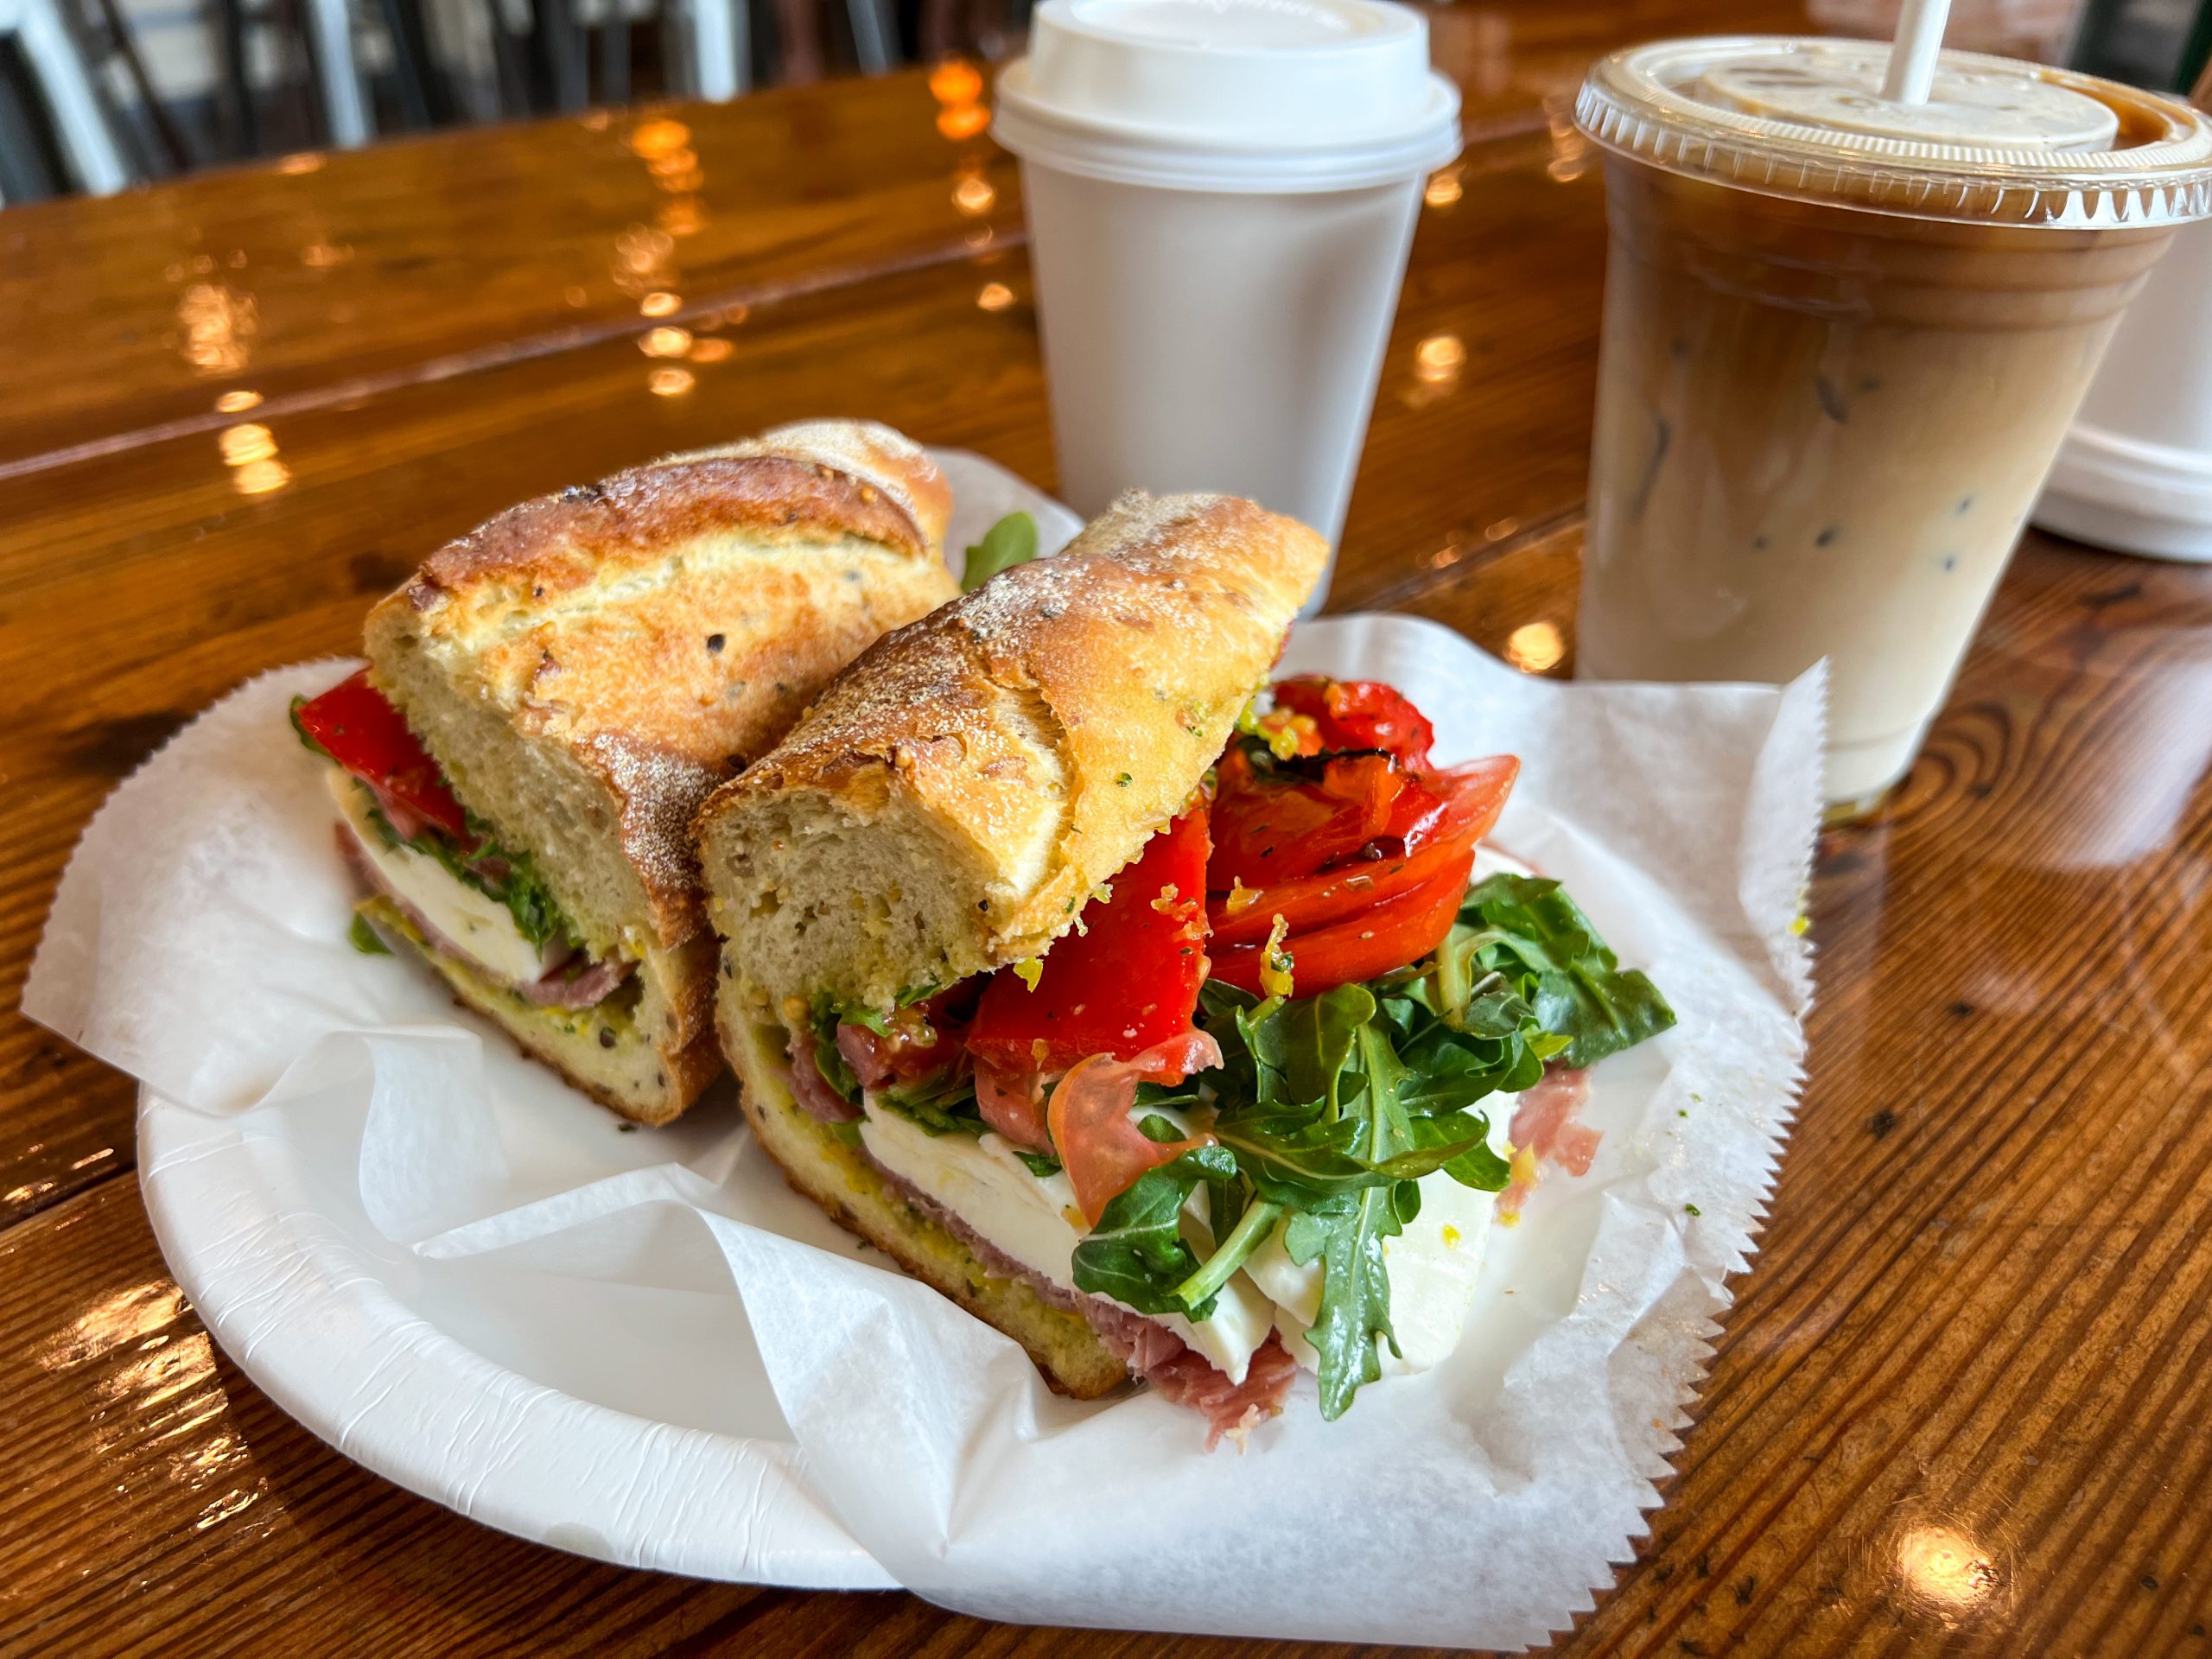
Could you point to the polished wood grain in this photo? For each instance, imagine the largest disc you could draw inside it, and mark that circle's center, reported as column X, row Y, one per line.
column 1964, row 1403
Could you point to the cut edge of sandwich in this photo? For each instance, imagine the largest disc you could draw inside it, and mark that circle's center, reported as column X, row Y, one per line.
column 623, row 1051
column 514, row 658
column 839, row 1178
column 603, row 803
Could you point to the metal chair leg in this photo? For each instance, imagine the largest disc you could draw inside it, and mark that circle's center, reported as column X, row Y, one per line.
column 560, row 43
column 177, row 152
column 614, row 54
column 719, row 47
column 235, row 101
column 91, row 148
column 875, row 35
column 345, row 105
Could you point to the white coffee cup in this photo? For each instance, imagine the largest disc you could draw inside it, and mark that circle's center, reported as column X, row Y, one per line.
column 1220, row 197
column 2135, row 472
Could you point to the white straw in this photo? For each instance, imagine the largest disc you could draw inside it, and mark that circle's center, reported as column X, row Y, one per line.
column 1912, row 55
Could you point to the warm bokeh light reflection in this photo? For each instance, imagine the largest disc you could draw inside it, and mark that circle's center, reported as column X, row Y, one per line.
column 711, row 351
column 994, row 296
column 305, row 161
column 1535, row 646
column 1443, row 186
column 660, row 303
column 127, row 1316
column 1570, row 149
column 956, row 80
column 219, row 324
column 1944, row 1567
column 962, row 120
column 644, row 258
column 249, row 451
column 665, row 342
column 670, row 383
column 246, row 443
column 973, row 195
column 658, row 138
column 237, row 403
column 1438, row 358
column 681, row 217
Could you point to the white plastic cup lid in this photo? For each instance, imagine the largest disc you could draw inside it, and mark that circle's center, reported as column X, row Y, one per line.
column 1997, row 142
column 1238, row 95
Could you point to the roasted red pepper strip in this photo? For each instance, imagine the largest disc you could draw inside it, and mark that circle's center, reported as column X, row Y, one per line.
column 1360, row 714
column 356, row 726
column 1452, row 812
column 1128, row 982
column 1391, row 935
column 1277, row 826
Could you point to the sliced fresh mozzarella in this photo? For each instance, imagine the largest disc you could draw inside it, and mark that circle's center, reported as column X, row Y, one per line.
column 481, row 927
column 1034, row 1220
column 1433, row 1266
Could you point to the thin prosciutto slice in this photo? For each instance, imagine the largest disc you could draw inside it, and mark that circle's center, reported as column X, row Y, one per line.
column 1100, row 1145
column 811, row 1089
column 1014, row 1104
column 1544, row 1127
column 1186, row 1377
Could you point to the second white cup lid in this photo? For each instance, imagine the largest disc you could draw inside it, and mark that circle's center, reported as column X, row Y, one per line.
column 1266, row 91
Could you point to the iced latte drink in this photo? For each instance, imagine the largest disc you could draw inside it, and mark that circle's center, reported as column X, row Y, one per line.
column 1842, row 341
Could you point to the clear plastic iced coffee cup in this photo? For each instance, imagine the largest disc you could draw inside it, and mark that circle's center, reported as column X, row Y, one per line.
column 1220, row 197
column 1843, row 338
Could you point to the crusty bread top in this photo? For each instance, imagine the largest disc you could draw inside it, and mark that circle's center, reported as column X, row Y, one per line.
column 975, row 776
column 658, row 629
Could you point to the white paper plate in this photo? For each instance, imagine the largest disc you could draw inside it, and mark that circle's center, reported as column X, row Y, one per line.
column 469, row 1279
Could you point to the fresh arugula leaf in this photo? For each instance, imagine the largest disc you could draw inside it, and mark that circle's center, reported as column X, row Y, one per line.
column 306, row 741
column 1040, row 1164
column 945, row 1106
column 1136, row 1254
column 1312, row 1039
column 824, row 1015
column 1154, row 1095
column 1299, row 1165
column 1528, row 930
column 513, row 879
column 1154, row 1127
column 1355, row 1310
column 1251, row 1231
column 859, row 1014
column 364, row 939
column 1010, row 542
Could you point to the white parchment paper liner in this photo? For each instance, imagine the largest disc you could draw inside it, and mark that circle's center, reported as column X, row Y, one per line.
column 641, row 1347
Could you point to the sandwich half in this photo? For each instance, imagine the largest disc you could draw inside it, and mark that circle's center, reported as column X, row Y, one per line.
column 1140, row 1007
column 550, row 698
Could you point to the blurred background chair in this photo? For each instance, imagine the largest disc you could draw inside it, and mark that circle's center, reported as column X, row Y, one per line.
column 53, row 129
column 96, row 94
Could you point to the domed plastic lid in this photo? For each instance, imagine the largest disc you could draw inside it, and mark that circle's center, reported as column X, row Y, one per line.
column 1243, row 95
column 1998, row 141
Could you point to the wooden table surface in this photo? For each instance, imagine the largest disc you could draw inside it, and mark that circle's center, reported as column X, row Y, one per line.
column 1964, row 1403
